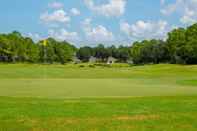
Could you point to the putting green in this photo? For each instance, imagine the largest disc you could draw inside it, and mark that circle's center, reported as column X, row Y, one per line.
column 71, row 81
column 64, row 88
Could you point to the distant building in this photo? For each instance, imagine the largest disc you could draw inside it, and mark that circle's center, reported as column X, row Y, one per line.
column 4, row 58
column 130, row 61
column 111, row 60
column 76, row 60
column 92, row 59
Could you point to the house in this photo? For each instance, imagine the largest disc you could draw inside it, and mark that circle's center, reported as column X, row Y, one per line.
column 76, row 60
column 4, row 58
column 111, row 60
column 92, row 59
column 130, row 61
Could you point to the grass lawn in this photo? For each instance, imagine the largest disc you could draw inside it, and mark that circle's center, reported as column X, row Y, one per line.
column 56, row 97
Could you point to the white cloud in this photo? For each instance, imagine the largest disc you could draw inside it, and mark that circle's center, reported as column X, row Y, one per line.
column 112, row 8
column 75, row 12
column 56, row 5
column 171, row 8
column 35, row 36
column 125, row 27
column 96, row 34
column 162, row 2
column 57, row 20
column 186, row 8
column 145, row 30
column 57, row 16
column 86, row 25
column 189, row 17
column 63, row 34
column 100, row 33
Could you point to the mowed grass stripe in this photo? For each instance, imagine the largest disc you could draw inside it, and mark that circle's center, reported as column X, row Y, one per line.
column 136, row 114
column 69, row 88
column 20, row 71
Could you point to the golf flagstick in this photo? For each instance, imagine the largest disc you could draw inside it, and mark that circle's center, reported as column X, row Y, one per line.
column 45, row 57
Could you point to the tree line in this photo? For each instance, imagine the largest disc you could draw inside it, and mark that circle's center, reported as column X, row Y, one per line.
column 102, row 53
column 179, row 47
column 16, row 48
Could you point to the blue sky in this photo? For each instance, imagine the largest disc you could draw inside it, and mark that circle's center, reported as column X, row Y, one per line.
column 88, row 22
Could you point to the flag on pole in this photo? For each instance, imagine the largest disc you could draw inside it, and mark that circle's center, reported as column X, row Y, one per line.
column 45, row 43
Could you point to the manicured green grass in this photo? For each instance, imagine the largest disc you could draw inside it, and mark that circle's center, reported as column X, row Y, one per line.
column 189, row 82
column 25, row 71
column 121, row 97
column 57, row 81
column 104, row 114
column 77, row 88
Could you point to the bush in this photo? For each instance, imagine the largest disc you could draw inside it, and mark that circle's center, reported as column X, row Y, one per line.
column 92, row 66
column 102, row 65
column 81, row 66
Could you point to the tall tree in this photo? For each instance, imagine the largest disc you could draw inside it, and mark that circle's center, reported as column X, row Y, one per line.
column 84, row 53
column 176, row 39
